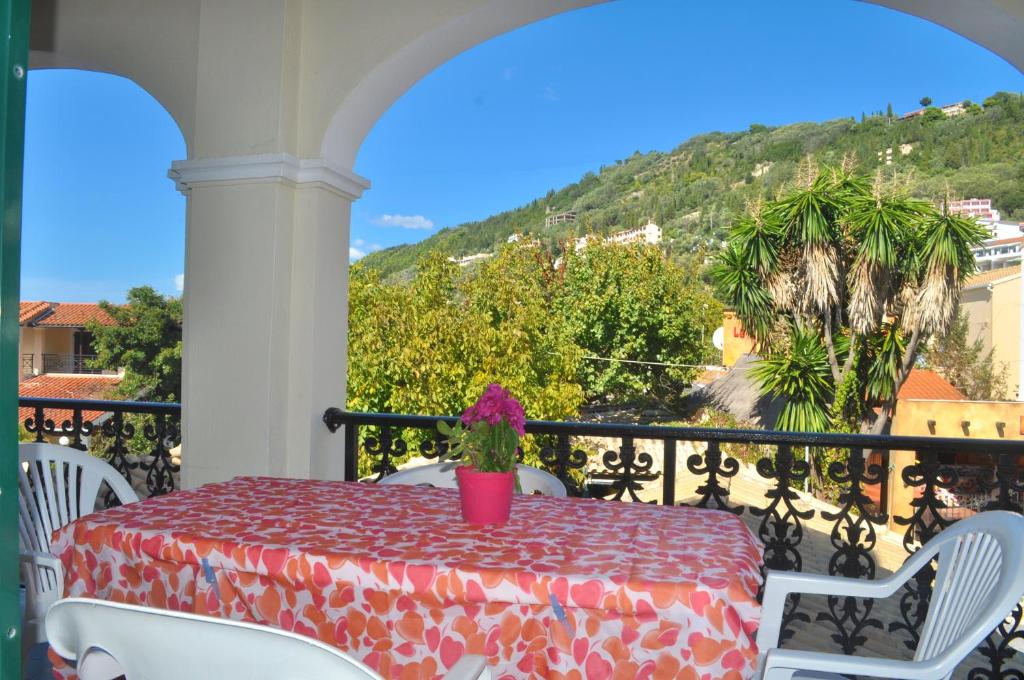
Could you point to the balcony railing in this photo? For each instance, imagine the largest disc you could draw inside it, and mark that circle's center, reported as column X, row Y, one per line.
column 655, row 464
column 649, row 463
column 135, row 437
column 28, row 365
column 69, row 363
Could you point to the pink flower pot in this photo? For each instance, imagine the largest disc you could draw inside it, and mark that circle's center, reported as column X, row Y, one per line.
column 486, row 497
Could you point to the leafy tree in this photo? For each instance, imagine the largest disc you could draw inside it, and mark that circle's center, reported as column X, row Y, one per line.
column 931, row 115
column 851, row 270
column 641, row 317
column 888, row 111
column 926, row 101
column 965, row 364
column 145, row 340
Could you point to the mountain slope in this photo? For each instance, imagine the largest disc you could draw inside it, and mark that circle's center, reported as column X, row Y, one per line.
column 695, row 190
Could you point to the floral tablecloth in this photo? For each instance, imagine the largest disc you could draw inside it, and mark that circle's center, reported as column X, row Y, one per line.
column 569, row 588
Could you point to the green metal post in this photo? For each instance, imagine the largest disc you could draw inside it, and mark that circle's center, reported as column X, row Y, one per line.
column 14, row 27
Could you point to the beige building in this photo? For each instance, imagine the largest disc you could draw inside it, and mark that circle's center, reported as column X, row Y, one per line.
column 53, row 337
column 992, row 302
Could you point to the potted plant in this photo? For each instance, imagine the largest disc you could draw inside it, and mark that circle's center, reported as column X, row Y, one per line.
column 487, row 437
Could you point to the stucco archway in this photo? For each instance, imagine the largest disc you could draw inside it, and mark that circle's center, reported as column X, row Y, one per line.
column 997, row 25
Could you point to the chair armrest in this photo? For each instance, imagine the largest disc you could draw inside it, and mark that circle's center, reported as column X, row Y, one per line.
column 781, row 664
column 33, row 560
column 469, row 667
column 779, row 584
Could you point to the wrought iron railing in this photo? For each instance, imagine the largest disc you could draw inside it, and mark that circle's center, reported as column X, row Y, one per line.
column 860, row 490
column 28, row 365
column 69, row 363
column 135, row 437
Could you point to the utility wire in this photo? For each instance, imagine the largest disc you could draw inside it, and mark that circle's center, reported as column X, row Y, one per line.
column 645, row 363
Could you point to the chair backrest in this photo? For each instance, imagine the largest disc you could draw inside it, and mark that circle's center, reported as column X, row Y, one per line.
column 442, row 475
column 57, row 485
column 108, row 639
column 978, row 582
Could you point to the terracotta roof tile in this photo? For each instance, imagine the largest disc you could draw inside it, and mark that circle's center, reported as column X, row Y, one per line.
column 925, row 384
column 30, row 310
column 1002, row 241
column 63, row 386
column 75, row 314
column 991, row 276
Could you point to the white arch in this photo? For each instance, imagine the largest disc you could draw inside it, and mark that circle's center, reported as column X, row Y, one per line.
column 389, row 80
column 997, row 25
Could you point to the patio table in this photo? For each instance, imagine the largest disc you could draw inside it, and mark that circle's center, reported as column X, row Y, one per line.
column 569, row 588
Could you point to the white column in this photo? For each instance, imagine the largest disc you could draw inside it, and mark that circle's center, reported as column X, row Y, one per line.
column 266, row 303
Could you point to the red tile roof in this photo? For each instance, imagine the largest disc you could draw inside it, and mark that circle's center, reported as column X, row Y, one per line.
column 991, row 276
column 63, row 386
column 30, row 310
column 1003, row 241
column 925, row 384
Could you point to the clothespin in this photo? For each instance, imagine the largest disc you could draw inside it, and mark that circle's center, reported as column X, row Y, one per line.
column 556, row 607
column 211, row 578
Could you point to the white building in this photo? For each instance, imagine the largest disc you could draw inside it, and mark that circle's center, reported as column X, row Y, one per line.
column 650, row 234
column 975, row 207
column 998, row 253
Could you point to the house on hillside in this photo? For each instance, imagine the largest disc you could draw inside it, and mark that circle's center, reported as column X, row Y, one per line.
column 992, row 302
column 53, row 337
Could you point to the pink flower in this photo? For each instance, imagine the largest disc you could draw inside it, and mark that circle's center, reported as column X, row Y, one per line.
column 495, row 405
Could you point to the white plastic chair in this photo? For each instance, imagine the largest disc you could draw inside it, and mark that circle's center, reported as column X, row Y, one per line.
column 442, row 475
column 110, row 639
column 978, row 582
column 57, row 485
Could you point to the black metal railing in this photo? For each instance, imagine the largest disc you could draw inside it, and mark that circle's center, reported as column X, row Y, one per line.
column 854, row 468
column 69, row 363
column 28, row 365
column 135, row 437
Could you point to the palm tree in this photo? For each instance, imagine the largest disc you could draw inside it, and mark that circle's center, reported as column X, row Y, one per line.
column 840, row 280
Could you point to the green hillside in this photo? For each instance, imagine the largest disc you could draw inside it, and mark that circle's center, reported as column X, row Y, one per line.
column 694, row 191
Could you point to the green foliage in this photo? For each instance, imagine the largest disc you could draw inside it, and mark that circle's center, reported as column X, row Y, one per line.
column 695, row 190
column 491, row 448
column 926, row 101
column 802, row 377
column 966, row 365
column 861, row 274
column 145, row 341
column 627, row 304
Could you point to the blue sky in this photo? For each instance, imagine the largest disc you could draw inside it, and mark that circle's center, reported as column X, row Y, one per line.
column 492, row 129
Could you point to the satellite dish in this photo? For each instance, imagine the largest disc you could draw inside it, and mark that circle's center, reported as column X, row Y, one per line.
column 718, row 338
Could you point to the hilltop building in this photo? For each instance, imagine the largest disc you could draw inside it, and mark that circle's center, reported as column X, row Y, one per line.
column 565, row 217
column 954, row 109
column 975, row 207
column 467, row 260
column 649, row 234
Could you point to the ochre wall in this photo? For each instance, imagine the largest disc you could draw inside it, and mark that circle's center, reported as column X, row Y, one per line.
column 911, row 419
column 737, row 342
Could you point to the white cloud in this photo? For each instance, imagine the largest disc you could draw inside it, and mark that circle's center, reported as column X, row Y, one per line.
column 354, row 253
column 179, row 282
column 550, row 93
column 404, row 221
column 360, row 248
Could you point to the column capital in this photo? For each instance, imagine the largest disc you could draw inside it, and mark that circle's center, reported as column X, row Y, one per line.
column 267, row 167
